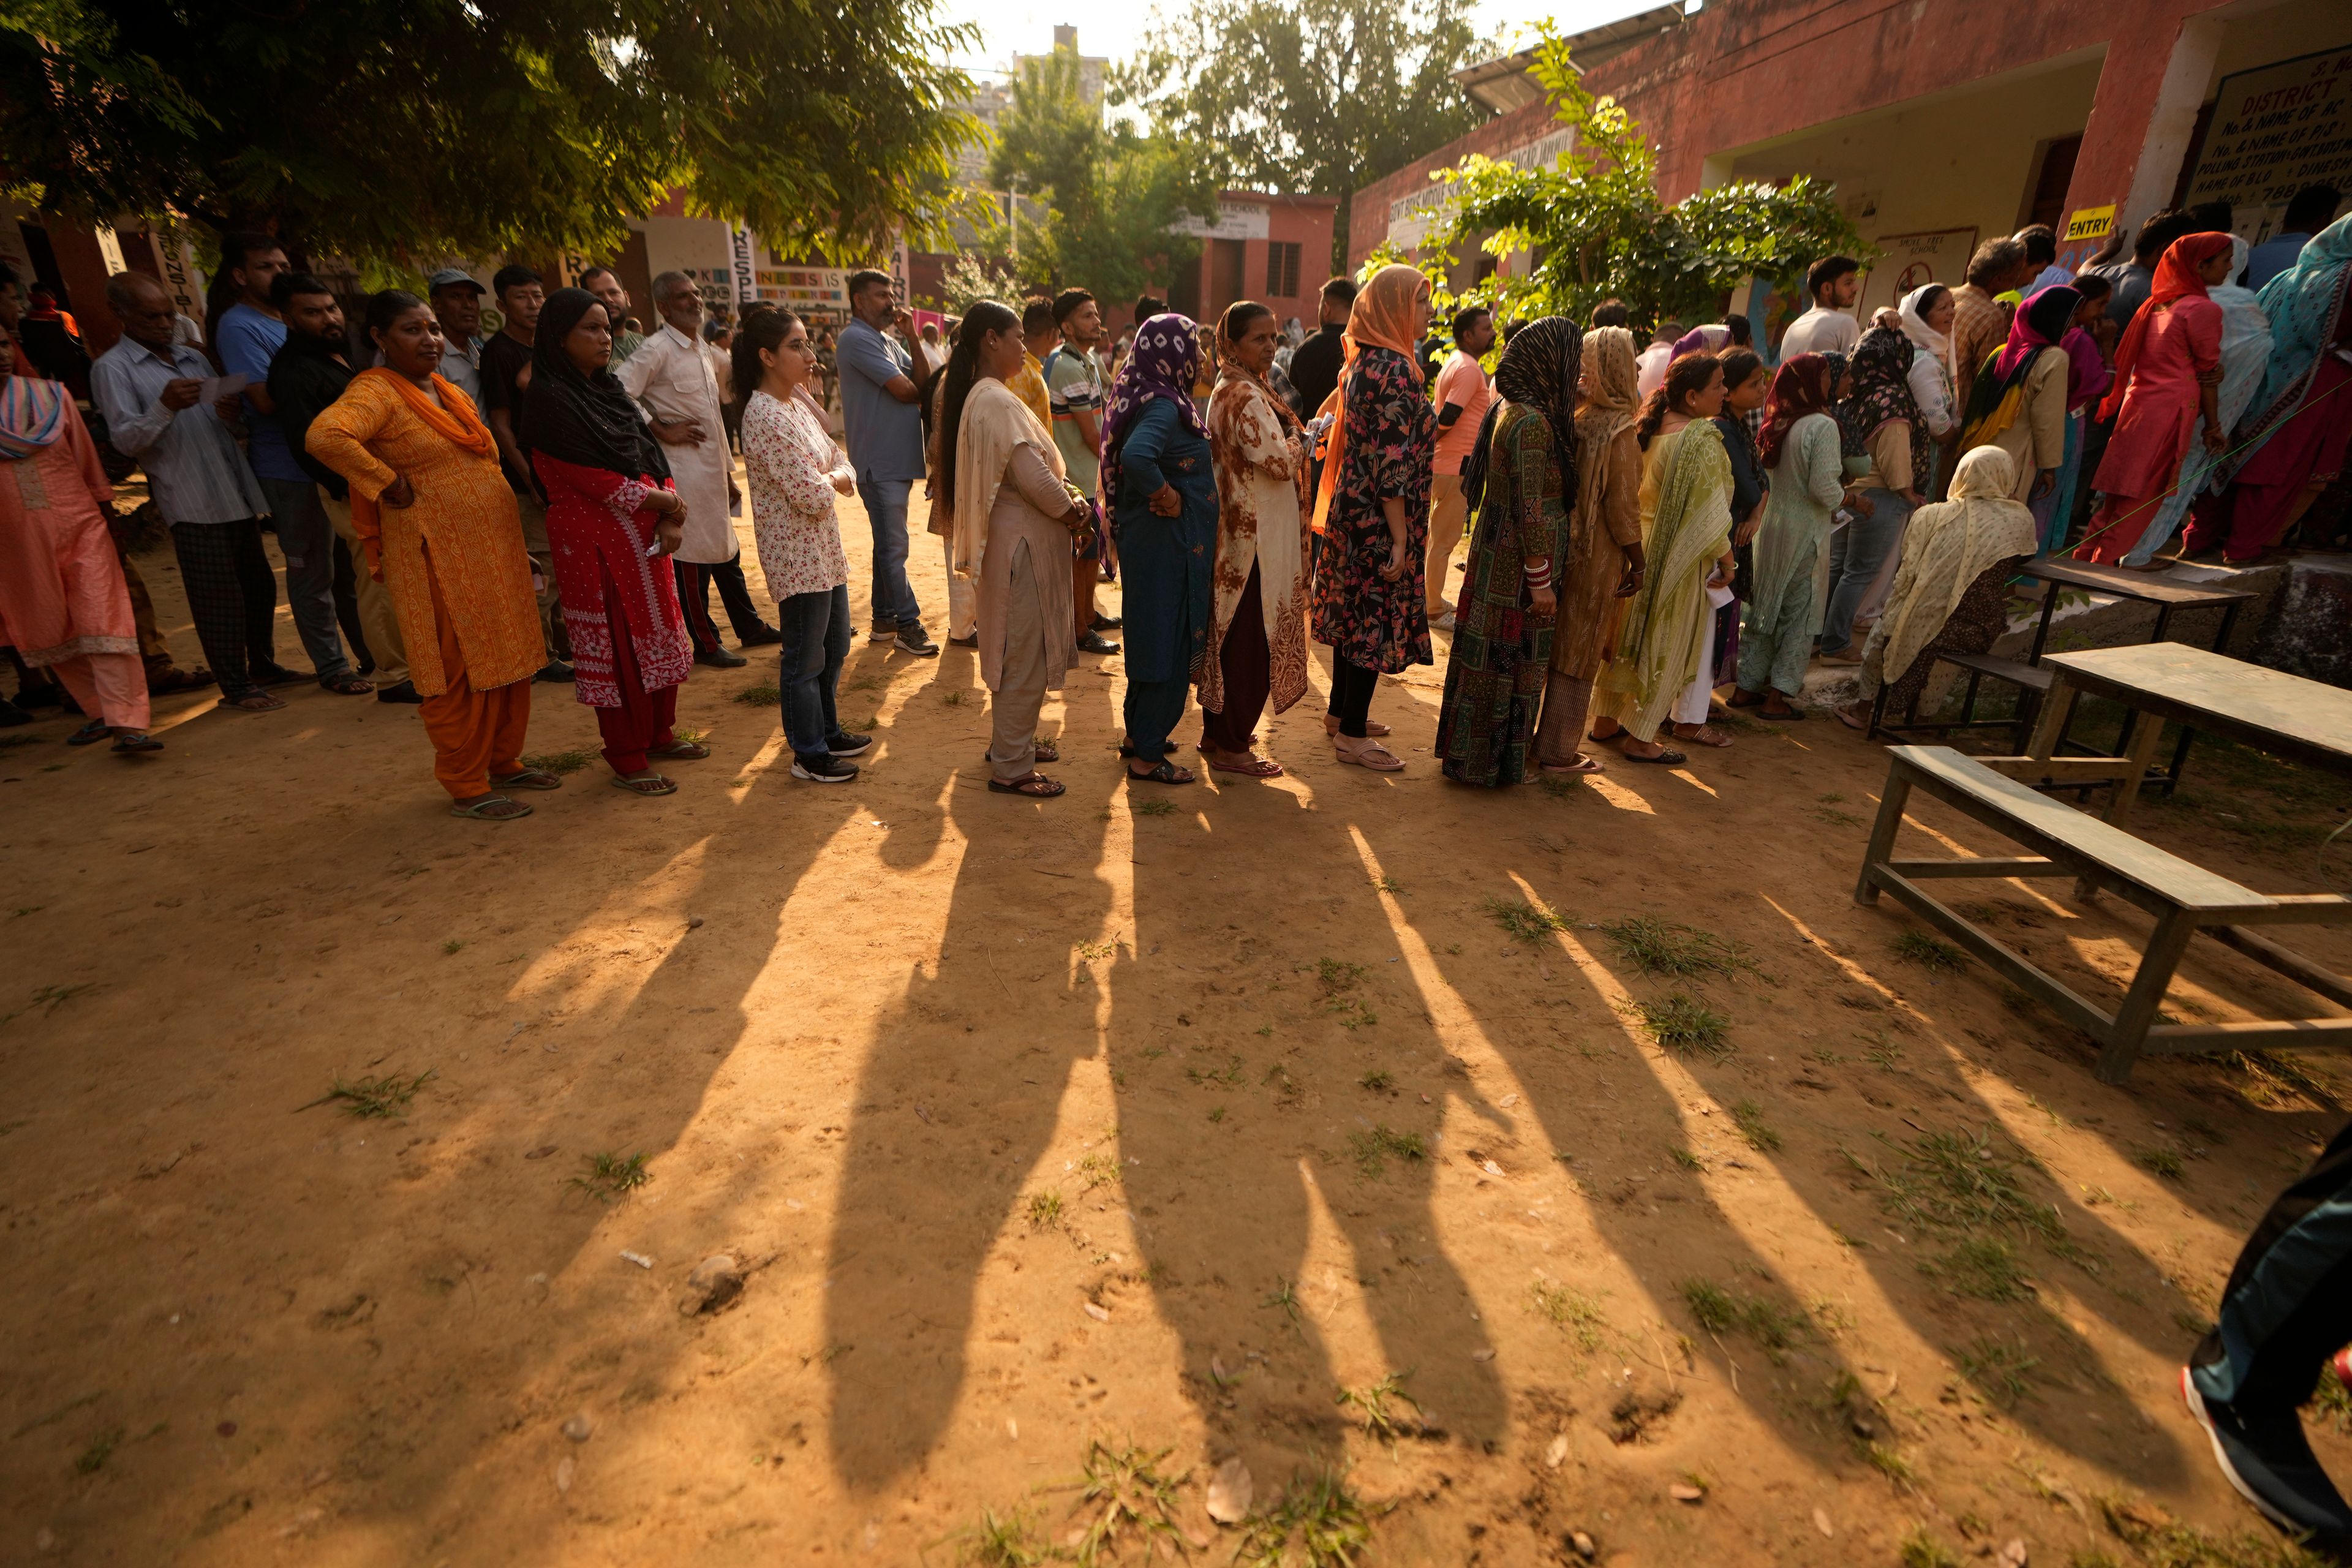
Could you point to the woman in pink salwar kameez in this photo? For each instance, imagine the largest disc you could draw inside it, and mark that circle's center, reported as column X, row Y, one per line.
column 63, row 604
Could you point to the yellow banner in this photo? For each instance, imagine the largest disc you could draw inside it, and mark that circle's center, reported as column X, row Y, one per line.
column 2090, row 223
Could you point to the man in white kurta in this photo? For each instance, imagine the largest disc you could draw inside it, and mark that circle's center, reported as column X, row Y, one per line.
column 674, row 382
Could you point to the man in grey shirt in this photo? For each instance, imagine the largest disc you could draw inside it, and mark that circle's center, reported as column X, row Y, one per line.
column 150, row 388
column 456, row 302
column 884, row 425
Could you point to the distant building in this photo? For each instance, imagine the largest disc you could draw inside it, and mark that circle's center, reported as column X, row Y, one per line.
column 1264, row 246
column 1091, row 67
column 1943, row 124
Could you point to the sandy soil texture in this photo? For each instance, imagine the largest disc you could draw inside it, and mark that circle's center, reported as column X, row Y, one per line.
column 1318, row 1124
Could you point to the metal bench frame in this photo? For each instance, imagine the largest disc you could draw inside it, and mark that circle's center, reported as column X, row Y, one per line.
column 2183, row 898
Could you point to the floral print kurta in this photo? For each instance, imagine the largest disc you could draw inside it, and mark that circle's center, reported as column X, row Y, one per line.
column 1260, row 525
column 1391, row 444
column 791, row 463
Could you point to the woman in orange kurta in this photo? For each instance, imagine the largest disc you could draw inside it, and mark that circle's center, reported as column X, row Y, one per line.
column 63, row 604
column 438, row 521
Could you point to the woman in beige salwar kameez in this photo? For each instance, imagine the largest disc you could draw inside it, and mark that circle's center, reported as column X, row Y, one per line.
column 1256, row 648
column 1686, row 538
column 1602, row 567
column 1002, row 481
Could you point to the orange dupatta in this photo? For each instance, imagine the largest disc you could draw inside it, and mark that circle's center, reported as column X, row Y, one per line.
column 1382, row 316
column 452, row 418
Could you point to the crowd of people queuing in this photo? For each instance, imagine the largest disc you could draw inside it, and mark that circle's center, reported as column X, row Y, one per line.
column 1656, row 531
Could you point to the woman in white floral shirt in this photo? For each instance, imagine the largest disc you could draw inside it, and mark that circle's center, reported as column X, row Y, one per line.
column 795, row 470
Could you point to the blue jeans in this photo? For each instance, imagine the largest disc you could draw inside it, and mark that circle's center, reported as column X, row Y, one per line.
column 886, row 508
column 1856, row 554
column 816, row 639
column 308, row 542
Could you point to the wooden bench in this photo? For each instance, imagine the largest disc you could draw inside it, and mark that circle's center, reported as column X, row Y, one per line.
column 2184, row 898
column 2032, row 682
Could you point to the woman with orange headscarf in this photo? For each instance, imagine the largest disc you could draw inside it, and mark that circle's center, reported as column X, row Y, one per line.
column 2168, row 374
column 1373, row 508
column 440, row 530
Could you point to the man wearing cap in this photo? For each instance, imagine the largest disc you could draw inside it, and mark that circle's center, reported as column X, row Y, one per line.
column 456, row 302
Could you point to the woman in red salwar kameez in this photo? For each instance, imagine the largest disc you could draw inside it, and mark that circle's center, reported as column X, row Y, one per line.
column 63, row 603
column 612, row 517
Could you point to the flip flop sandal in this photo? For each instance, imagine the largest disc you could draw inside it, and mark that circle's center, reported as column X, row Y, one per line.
column 133, row 745
column 1361, row 757
column 1162, row 771
column 1718, row 742
column 487, row 810
column 648, row 787
column 1576, row 769
column 1047, row 751
column 259, row 702
column 1667, row 757
column 1256, row 768
column 1027, row 784
column 278, row 676
column 529, row 778
column 89, row 734
column 348, row 685
column 680, row 751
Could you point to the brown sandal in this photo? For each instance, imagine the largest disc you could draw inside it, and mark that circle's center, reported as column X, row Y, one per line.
column 680, row 751
column 648, row 784
column 1033, row 784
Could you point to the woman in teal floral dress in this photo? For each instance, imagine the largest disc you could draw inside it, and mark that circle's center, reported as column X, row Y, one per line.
column 1518, row 474
column 1373, row 511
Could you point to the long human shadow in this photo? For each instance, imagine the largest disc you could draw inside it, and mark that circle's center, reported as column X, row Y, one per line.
column 1813, row 1112
column 957, row 1100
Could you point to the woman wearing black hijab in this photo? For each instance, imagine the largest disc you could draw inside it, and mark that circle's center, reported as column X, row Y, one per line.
column 611, row 516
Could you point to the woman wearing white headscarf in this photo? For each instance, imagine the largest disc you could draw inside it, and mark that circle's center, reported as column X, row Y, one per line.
column 2245, row 354
column 1950, row 594
column 1926, row 317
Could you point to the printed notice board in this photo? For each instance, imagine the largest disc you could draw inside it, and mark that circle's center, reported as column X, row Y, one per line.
column 2275, row 130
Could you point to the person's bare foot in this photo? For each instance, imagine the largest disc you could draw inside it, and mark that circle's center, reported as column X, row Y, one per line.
column 1372, row 727
column 1853, row 715
column 1248, row 764
column 1702, row 735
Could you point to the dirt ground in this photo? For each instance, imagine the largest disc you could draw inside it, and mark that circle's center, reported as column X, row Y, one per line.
column 1313, row 1124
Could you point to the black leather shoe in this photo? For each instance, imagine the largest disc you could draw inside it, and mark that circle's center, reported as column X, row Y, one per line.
column 763, row 636
column 554, row 673
column 405, row 692
column 1107, row 623
column 1095, row 642
column 719, row 658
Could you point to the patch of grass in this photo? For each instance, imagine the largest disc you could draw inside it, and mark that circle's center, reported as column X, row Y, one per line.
column 1889, row 1462
column 1228, row 1077
column 2328, row 1403
column 1088, row 951
column 1572, row 1310
column 1686, row 1159
column 1045, row 1210
column 1720, row 1310
column 1681, row 1022
column 93, row 1458
column 374, row 1099
column 1388, row 885
column 453, row 947
column 1217, row 1114
column 609, row 1177
column 558, row 762
column 1749, row 1117
column 10, row 743
column 759, row 697
column 2003, row 1371
column 1381, row 1416
column 1319, row 1524
column 1156, row 807
column 2159, row 1161
column 1376, row 1080
column 1097, row 1171
column 1981, row 1267
column 2162, row 1541
column 1664, row 947
column 1339, row 980
column 1833, row 817
column 693, row 737
column 953, row 698
column 1127, row 1496
column 1929, row 953
column 1524, row 921
column 1959, row 1181
column 1284, row 1296
column 2271, row 1079
column 1882, row 1052
column 1371, row 1150
column 1005, row 1542
column 1921, row 1550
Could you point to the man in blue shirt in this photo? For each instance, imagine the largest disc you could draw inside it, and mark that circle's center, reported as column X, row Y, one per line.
column 2312, row 209
column 884, row 425
column 251, row 333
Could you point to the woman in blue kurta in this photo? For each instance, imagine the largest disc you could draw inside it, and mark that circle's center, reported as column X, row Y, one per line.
column 1156, row 472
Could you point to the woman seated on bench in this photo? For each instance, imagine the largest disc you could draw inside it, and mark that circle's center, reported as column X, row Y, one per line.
column 1950, row 594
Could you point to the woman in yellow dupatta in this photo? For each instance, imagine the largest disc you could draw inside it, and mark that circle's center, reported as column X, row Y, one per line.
column 1686, row 541
column 438, row 523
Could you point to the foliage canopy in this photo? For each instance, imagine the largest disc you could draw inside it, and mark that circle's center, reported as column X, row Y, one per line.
column 405, row 131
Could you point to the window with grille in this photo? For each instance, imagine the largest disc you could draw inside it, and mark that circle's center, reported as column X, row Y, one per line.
column 1281, row 270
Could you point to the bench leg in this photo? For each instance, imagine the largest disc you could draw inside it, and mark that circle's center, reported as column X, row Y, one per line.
column 2049, row 723
column 2165, row 946
column 1881, row 833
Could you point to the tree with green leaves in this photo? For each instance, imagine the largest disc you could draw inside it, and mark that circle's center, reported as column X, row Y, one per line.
column 1597, row 229
column 1322, row 96
column 1111, row 196
column 402, row 132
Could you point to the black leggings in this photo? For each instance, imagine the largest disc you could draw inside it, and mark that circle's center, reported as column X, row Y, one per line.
column 1352, row 694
